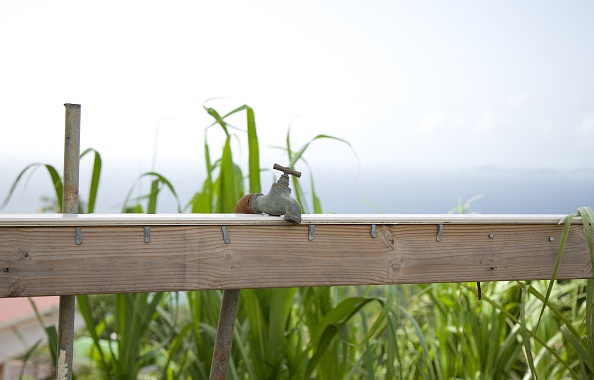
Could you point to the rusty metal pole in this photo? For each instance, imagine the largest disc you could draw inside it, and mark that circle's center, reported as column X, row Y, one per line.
column 69, row 206
column 224, row 339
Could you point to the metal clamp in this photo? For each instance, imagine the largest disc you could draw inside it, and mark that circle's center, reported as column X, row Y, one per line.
column 373, row 232
column 439, row 231
column 78, row 236
column 226, row 237
column 147, row 234
column 310, row 232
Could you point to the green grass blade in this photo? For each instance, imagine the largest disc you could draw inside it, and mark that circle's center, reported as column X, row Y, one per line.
column 587, row 216
column 25, row 359
column 340, row 314
column 564, row 236
column 294, row 158
column 208, row 188
column 426, row 362
column 288, row 146
column 95, row 176
column 55, row 177
column 57, row 181
column 504, row 310
column 169, row 185
column 85, row 310
column 16, row 182
column 382, row 318
column 50, row 331
column 590, row 316
column 219, row 120
column 525, row 334
column 155, row 189
column 370, row 361
column 281, row 301
column 324, row 342
column 254, row 155
column 200, row 202
column 584, row 355
column 154, row 193
column 317, row 205
column 227, row 183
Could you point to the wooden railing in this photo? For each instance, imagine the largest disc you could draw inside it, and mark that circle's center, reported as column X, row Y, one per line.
column 86, row 254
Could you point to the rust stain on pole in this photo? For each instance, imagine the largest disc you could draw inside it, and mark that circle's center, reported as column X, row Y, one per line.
column 69, row 206
column 224, row 339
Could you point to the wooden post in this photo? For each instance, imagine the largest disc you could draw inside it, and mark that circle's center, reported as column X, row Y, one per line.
column 69, row 206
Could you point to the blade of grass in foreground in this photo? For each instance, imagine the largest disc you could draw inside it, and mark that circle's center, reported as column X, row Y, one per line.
column 564, row 236
column 254, row 153
column 55, row 177
column 152, row 196
column 587, row 216
column 95, row 176
column 525, row 334
column 425, row 365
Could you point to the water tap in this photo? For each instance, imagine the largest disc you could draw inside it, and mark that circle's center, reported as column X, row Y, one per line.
column 277, row 202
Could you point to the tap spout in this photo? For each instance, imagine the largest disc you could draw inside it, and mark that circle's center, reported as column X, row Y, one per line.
column 277, row 202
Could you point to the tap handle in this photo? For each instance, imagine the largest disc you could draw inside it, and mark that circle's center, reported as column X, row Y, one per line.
column 287, row 170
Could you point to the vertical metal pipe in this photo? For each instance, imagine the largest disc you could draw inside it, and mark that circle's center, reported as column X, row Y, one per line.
column 69, row 206
column 224, row 339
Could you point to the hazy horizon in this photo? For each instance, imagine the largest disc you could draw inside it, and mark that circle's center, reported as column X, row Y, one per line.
column 377, row 190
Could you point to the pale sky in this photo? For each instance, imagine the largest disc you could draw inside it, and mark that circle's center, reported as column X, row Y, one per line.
column 419, row 84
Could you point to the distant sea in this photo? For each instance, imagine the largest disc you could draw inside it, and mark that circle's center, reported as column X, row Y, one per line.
column 389, row 191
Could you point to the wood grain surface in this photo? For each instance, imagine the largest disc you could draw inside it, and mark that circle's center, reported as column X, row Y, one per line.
column 38, row 261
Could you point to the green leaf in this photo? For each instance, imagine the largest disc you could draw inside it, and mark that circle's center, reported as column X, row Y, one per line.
column 212, row 112
column 323, row 344
column 254, row 155
column 590, row 316
column 85, row 310
column 560, row 251
column 317, row 205
column 227, row 182
column 152, row 196
column 587, row 216
column 582, row 351
column 55, row 177
column 95, row 176
column 50, row 332
column 525, row 334
column 340, row 314
column 281, row 301
column 426, row 363
column 298, row 155
column 152, row 203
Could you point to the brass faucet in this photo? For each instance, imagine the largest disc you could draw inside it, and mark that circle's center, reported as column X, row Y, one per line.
column 277, row 202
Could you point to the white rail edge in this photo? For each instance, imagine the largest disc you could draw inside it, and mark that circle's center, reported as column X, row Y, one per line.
column 55, row 220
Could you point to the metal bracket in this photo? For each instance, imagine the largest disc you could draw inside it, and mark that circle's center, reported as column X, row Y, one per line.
column 226, row 237
column 373, row 232
column 147, row 234
column 439, row 231
column 78, row 236
column 310, row 232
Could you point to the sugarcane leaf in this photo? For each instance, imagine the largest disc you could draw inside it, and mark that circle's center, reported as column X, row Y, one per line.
column 95, row 176
column 254, row 153
column 560, row 251
column 525, row 334
column 55, row 177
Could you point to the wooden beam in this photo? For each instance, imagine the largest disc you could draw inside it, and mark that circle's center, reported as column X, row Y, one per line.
column 39, row 255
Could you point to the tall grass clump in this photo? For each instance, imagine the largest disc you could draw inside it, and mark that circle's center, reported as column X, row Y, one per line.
column 517, row 330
